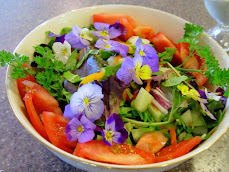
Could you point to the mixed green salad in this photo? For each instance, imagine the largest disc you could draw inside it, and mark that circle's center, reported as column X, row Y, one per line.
column 117, row 92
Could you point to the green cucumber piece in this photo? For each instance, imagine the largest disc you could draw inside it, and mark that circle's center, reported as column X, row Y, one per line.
column 137, row 133
column 155, row 113
column 187, row 118
column 181, row 136
column 200, row 130
column 197, row 118
column 142, row 100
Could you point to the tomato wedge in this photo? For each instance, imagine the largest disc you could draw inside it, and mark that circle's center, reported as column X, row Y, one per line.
column 177, row 150
column 152, row 142
column 173, row 139
column 55, row 127
column 124, row 154
column 34, row 117
column 193, row 62
column 42, row 100
column 144, row 31
column 22, row 88
column 161, row 41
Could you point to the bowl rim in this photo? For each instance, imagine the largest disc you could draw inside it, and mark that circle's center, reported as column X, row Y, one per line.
column 91, row 162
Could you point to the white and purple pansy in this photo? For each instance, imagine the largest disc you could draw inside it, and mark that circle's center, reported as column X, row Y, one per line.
column 87, row 101
column 81, row 129
column 114, row 131
column 107, row 31
column 149, row 55
column 78, row 38
column 115, row 46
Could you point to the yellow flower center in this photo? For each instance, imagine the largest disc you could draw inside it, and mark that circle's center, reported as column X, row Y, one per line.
column 80, row 129
column 104, row 33
column 108, row 135
column 107, row 46
column 86, row 100
column 64, row 51
column 142, row 53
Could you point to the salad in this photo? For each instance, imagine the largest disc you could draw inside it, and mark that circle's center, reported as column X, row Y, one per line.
column 117, row 92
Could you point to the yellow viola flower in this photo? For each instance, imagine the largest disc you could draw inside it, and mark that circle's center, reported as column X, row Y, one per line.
column 192, row 93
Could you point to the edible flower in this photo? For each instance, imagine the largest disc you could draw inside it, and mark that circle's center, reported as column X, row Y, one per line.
column 206, row 111
column 115, row 46
column 81, row 129
column 59, row 38
column 62, row 51
column 192, row 93
column 105, row 31
column 78, row 38
column 149, row 55
column 87, row 101
column 114, row 130
column 132, row 69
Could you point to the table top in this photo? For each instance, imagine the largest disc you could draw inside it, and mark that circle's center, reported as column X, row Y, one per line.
column 19, row 151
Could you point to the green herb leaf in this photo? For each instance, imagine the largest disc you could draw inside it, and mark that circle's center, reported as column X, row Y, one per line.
column 167, row 55
column 110, row 70
column 65, row 30
column 72, row 60
column 72, row 77
column 175, row 80
column 67, row 95
column 16, row 61
column 89, row 52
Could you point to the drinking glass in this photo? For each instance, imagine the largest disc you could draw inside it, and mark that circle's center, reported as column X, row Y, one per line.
column 219, row 10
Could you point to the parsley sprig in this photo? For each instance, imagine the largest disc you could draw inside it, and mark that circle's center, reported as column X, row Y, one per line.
column 215, row 74
column 16, row 61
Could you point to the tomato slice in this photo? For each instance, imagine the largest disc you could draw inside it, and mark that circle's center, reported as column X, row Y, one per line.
column 23, row 88
column 177, row 150
column 194, row 62
column 34, row 117
column 42, row 100
column 152, row 142
column 124, row 154
column 111, row 18
column 55, row 126
column 144, row 31
column 161, row 41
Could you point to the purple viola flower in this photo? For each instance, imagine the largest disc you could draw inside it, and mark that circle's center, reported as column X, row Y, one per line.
column 105, row 31
column 81, row 129
column 119, row 27
column 132, row 69
column 115, row 46
column 59, row 38
column 68, row 112
column 87, row 101
column 114, row 131
column 78, row 38
column 149, row 55
column 206, row 111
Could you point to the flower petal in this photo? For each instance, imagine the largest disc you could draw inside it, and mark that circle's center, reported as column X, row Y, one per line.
column 118, row 122
column 94, row 110
column 107, row 142
column 101, row 26
column 110, row 124
column 87, row 123
column 86, row 135
column 71, row 129
column 117, row 137
column 68, row 113
column 77, row 103
column 119, row 27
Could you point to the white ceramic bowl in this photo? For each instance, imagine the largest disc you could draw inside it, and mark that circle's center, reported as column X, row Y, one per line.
column 171, row 25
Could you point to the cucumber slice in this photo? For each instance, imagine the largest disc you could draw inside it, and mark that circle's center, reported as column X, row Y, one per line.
column 142, row 100
column 133, row 39
column 181, row 136
column 200, row 130
column 197, row 118
column 187, row 118
column 155, row 113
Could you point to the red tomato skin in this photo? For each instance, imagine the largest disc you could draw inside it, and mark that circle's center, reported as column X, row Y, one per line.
column 144, row 31
column 194, row 62
column 23, row 88
column 161, row 41
column 177, row 150
column 34, row 117
column 43, row 101
column 99, row 151
column 55, row 126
